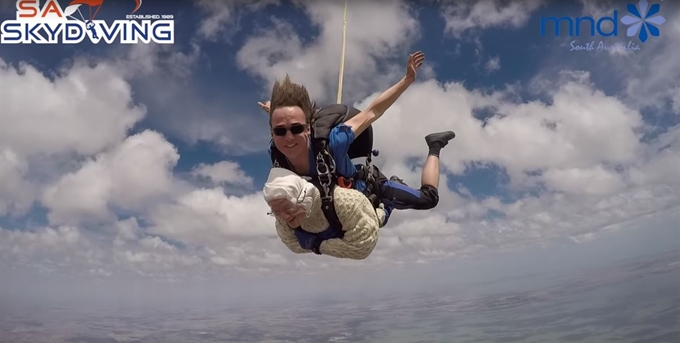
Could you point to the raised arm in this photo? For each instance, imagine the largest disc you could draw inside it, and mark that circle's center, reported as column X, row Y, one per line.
column 377, row 108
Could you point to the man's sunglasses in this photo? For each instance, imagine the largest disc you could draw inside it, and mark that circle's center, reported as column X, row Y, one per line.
column 295, row 129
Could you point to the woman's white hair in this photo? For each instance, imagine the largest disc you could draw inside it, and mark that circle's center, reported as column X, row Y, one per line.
column 285, row 184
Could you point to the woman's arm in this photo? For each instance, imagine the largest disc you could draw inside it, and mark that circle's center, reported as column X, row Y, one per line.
column 288, row 237
column 361, row 224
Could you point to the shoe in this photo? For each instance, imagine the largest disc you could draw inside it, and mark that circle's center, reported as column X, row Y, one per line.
column 439, row 138
column 395, row 178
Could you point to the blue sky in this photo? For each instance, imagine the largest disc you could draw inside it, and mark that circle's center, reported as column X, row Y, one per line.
column 216, row 75
column 159, row 151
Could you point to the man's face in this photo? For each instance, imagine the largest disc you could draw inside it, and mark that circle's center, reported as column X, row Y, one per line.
column 287, row 119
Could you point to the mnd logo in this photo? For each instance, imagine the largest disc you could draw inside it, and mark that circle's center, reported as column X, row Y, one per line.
column 642, row 21
column 49, row 23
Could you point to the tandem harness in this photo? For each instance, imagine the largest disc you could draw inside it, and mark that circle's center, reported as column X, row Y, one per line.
column 323, row 121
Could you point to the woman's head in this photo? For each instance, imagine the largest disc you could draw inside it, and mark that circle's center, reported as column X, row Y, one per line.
column 291, row 213
column 289, row 196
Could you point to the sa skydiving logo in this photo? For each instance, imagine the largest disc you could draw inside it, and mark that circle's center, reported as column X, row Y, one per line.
column 50, row 24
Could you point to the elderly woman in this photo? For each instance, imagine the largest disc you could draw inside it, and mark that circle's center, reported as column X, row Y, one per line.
column 296, row 203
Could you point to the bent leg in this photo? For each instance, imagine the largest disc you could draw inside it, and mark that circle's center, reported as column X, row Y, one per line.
column 399, row 196
column 435, row 142
column 430, row 174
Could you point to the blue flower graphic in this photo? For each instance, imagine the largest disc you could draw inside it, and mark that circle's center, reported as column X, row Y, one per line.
column 643, row 20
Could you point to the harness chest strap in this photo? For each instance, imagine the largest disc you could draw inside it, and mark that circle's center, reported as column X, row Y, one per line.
column 325, row 169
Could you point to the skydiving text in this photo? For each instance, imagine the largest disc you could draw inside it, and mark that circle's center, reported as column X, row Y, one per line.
column 72, row 32
column 50, row 24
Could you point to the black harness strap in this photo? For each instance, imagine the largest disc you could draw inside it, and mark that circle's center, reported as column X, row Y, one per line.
column 327, row 181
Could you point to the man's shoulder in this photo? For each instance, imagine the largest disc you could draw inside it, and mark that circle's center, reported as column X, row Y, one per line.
column 340, row 129
column 341, row 135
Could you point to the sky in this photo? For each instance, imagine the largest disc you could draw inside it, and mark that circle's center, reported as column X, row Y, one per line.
column 133, row 166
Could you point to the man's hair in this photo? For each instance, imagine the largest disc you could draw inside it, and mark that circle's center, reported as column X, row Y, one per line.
column 287, row 93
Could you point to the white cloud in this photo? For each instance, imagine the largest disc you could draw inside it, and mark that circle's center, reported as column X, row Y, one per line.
column 181, row 106
column 584, row 238
column 655, row 74
column 462, row 17
column 90, row 173
column 597, row 8
column 224, row 172
column 130, row 177
column 676, row 100
column 160, row 62
column 493, row 64
column 595, row 180
column 211, row 218
column 81, row 111
column 661, row 162
column 581, row 148
column 575, row 160
column 153, row 258
column 50, row 250
column 220, row 14
column 581, row 127
column 85, row 109
column 647, row 76
column 16, row 194
column 375, row 30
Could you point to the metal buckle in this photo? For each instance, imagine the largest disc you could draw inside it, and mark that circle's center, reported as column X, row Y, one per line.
column 324, row 171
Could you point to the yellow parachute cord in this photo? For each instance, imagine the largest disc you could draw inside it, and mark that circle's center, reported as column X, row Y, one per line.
column 342, row 56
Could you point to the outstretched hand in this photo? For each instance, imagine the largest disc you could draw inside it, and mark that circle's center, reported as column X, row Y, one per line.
column 415, row 60
column 265, row 105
